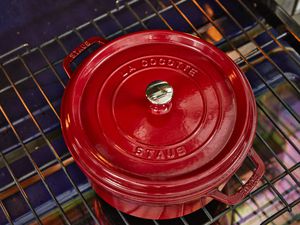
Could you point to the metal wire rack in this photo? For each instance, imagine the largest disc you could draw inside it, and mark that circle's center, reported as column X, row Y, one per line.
column 39, row 182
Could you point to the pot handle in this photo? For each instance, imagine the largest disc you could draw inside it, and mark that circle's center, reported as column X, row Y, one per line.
column 246, row 188
column 77, row 51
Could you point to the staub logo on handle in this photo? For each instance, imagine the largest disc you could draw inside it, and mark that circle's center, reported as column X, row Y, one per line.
column 80, row 49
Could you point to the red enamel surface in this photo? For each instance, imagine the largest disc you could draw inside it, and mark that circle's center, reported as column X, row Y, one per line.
column 167, row 163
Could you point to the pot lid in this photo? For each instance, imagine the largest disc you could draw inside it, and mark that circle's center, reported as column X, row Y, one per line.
column 158, row 106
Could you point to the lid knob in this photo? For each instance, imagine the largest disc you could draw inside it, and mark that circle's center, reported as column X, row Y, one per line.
column 159, row 92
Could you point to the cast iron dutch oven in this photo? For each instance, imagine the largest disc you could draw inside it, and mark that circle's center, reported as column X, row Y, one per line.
column 159, row 121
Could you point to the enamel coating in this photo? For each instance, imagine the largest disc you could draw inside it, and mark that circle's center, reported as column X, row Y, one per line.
column 159, row 165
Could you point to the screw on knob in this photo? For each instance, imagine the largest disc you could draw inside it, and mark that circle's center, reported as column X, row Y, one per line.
column 159, row 92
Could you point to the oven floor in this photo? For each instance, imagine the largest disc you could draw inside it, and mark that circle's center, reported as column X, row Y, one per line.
column 35, row 22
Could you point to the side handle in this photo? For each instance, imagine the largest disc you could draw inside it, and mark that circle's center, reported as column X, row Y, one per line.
column 246, row 188
column 77, row 51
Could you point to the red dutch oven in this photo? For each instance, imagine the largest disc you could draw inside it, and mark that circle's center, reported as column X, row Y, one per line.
column 159, row 121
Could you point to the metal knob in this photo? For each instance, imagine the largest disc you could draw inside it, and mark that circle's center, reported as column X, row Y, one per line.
column 159, row 92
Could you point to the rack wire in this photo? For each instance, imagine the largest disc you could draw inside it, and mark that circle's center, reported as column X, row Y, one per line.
column 27, row 70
